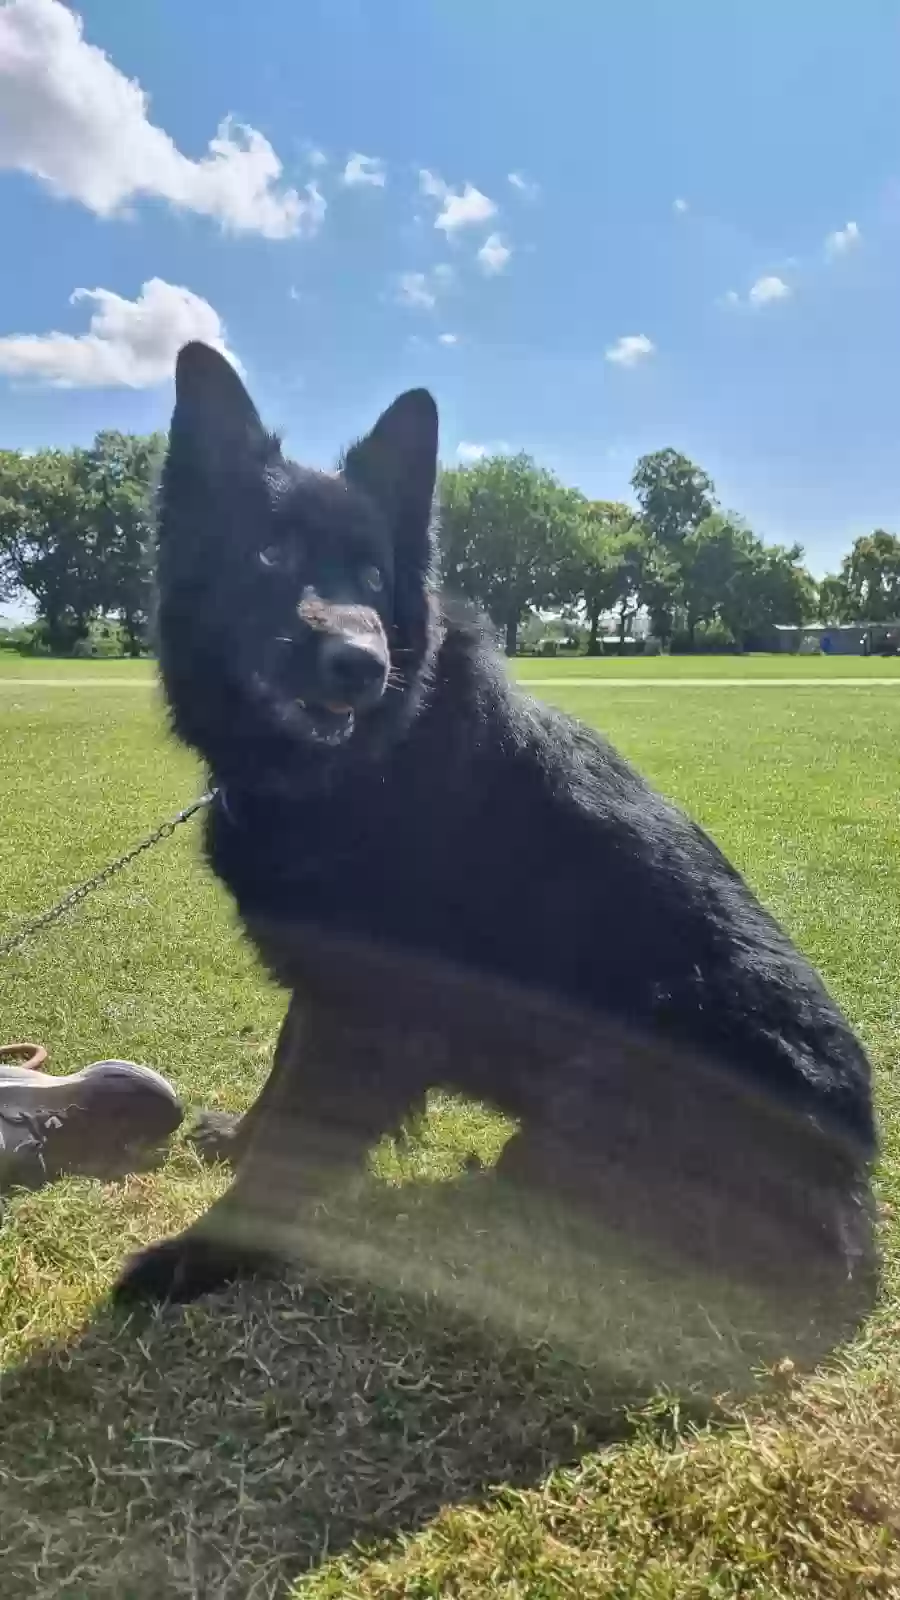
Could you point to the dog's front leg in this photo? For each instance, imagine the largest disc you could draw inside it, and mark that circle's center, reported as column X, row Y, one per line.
column 334, row 1090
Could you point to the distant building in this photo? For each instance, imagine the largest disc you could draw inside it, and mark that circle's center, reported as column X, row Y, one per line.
column 841, row 639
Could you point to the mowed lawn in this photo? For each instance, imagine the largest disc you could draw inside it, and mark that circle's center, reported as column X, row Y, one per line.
column 320, row 1439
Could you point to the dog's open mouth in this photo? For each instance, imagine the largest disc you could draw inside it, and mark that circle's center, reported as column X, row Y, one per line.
column 327, row 724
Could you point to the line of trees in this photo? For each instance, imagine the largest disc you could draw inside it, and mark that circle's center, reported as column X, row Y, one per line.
column 76, row 536
column 518, row 541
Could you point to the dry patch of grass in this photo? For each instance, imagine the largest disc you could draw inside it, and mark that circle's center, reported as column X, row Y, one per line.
column 802, row 1501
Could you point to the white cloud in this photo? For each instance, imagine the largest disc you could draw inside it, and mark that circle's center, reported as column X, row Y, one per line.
column 842, row 240
column 421, row 289
column 432, row 185
column 761, row 293
column 493, row 255
column 362, row 169
column 129, row 344
column 69, row 117
column 316, row 157
column 476, row 452
column 630, row 349
column 680, row 205
column 458, row 210
column 448, row 338
column 765, row 290
column 465, row 209
column 523, row 185
column 414, row 289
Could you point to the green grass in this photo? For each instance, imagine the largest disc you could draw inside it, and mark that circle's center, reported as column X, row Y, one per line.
column 14, row 665
column 667, row 668
column 324, row 1439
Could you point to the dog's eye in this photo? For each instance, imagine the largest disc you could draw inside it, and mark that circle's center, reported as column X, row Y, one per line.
column 273, row 556
column 373, row 578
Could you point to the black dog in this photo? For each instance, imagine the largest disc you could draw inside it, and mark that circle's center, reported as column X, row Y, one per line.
column 460, row 886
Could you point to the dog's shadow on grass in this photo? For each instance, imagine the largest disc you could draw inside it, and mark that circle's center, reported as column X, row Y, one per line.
column 225, row 1448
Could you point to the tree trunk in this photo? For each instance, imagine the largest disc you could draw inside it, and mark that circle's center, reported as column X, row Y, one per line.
column 593, row 643
column 661, row 625
column 52, row 629
column 131, row 630
column 691, row 630
column 623, row 628
column 512, row 634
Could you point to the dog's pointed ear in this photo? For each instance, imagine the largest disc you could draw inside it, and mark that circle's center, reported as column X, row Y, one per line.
column 397, row 465
column 214, row 480
column 214, row 415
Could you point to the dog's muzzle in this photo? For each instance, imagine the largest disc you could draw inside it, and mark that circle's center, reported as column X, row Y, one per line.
column 351, row 672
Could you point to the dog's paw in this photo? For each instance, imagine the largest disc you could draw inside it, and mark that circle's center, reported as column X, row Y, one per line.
column 215, row 1135
column 181, row 1269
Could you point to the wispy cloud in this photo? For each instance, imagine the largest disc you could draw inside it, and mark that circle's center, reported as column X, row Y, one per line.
column 680, row 205
column 129, row 344
column 842, row 240
column 71, row 119
column 414, row 289
column 431, row 185
column 630, row 349
column 469, row 452
column 364, row 170
column 772, row 288
column 523, row 185
column 448, row 338
column 421, row 290
column 493, row 255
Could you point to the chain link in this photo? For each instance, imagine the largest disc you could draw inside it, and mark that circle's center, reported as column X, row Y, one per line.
column 75, row 896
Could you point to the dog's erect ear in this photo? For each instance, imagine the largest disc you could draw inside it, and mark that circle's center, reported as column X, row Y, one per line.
column 397, row 464
column 214, row 414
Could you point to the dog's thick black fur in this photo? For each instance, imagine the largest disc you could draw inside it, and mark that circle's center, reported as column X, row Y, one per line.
column 460, row 886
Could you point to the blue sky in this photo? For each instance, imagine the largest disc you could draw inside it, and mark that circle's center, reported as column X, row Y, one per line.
column 669, row 158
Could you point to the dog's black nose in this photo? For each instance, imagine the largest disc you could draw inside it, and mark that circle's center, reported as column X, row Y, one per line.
column 351, row 673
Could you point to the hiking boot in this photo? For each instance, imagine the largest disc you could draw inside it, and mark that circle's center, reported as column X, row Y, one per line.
column 108, row 1119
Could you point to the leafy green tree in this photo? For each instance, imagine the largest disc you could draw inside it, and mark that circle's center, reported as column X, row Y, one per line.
column 836, row 603
column 637, row 572
column 674, row 495
column 509, row 533
column 639, row 568
column 76, row 534
column 871, row 576
column 601, row 569
column 122, row 469
column 715, row 558
column 771, row 586
column 10, row 467
column 49, row 539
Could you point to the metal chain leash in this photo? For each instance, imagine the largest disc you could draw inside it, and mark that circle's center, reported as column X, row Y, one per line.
column 82, row 890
